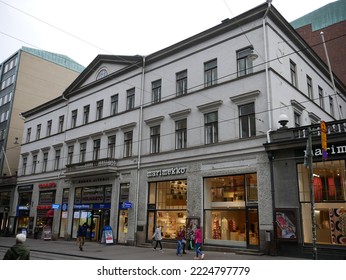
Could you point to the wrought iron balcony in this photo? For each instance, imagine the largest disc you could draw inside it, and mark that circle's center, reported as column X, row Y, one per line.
column 93, row 167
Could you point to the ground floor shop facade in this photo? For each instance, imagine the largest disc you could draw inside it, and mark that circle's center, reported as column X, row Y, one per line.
column 295, row 218
column 222, row 196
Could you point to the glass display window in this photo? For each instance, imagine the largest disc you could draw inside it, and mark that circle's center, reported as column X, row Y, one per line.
column 167, row 202
column 225, row 227
column 329, row 197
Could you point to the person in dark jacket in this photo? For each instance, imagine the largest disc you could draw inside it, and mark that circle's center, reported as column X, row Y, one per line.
column 19, row 251
column 81, row 234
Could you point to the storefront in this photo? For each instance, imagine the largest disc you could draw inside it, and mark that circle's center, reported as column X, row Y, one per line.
column 92, row 206
column 5, row 198
column 23, row 207
column 123, row 214
column 295, row 190
column 230, row 210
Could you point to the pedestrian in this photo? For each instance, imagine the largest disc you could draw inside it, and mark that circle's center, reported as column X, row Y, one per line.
column 81, row 234
column 19, row 251
column 157, row 236
column 198, row 243
column 180, row 238
column 190, row 235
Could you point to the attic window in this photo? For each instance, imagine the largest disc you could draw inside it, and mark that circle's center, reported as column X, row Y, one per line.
column 102, row 73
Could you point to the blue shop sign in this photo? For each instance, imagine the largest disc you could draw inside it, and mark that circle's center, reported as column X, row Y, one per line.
column 55, row 206
column 101, row 206
column 126, row 205
column 64, row 207
column 81, row 206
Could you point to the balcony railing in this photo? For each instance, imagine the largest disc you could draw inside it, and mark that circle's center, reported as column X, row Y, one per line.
column 104, row 165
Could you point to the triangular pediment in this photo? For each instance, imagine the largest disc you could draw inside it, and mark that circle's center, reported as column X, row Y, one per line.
column 103, row 67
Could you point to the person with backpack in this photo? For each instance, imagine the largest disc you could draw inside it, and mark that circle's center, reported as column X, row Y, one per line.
column 19, row 251
column 81, row 234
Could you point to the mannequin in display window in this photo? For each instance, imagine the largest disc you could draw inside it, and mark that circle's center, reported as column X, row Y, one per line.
column 224, row 229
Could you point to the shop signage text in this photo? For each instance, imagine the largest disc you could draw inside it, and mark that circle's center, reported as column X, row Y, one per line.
column 47, row 185
column 44, row 207
column 332, row 150
column 167, row 172
column 25, row 188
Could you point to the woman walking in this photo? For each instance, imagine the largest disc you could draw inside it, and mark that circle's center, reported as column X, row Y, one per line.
column 157, row 236
column 198, row 244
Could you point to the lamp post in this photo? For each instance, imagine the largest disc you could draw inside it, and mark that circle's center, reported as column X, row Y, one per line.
column 309, row 156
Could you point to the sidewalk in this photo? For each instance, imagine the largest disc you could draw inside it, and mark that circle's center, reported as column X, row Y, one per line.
column 97, row 251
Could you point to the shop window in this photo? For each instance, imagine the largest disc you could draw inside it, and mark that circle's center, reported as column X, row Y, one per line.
column 225, row 211
column 329, row 197
column 167, row 202
column 24, row 198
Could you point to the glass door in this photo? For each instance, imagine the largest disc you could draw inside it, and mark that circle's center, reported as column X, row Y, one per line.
column 252, row 227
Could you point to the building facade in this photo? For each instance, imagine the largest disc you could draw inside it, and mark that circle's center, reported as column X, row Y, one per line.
column 331, row 20
column 175, row 138
column 28, row 78
column 316, row 190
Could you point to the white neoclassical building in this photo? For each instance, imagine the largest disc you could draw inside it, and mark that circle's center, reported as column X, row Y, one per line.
column 174, row 138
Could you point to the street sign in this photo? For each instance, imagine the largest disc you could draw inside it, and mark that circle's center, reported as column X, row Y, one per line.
column 324, row 140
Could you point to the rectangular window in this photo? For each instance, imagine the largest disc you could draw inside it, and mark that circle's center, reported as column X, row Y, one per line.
column 45, row 162
column 211, row 127
column 128, row 144
column 181, row 82
column 309, row 85
column 155, row 139
column 38, row 131
column 49, row 128
column 114, row 104
column 70, row 154
column 210, row 73
column 61, row 124
column 25, row 162
column 86, row 111
column 297, row 119
column 130, row 102
column 96, row 151
column 331, row 105
column 247, row 120
column 99, row 110
column 180, row 134
column 74, row 118
column 34, row 164
column 244, row 63
column 28, row 135
column 82, row 151
column 156, row 91
column 293, row 70
column 57, row 159
column 111, row 146
column 321, row 97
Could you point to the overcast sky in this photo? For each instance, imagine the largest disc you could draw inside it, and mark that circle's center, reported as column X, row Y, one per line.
column 82, row 29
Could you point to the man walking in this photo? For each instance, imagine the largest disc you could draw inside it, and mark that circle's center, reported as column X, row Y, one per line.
column 81, row 234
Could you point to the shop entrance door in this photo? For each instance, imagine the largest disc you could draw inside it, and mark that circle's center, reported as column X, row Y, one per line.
column 252, row 233
column 99, row 219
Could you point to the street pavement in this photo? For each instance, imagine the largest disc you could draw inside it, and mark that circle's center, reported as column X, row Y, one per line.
column 97, row 251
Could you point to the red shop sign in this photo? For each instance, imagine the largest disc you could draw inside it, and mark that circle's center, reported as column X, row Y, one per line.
column 44, row 207
column 47, row 185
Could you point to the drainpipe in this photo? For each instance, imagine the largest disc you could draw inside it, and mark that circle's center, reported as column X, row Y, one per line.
column 139, row 146
column 268, row 88
column 272, row 241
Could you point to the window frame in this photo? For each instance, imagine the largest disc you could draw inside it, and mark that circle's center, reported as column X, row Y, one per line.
column 210, row 73
column 211, row 131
